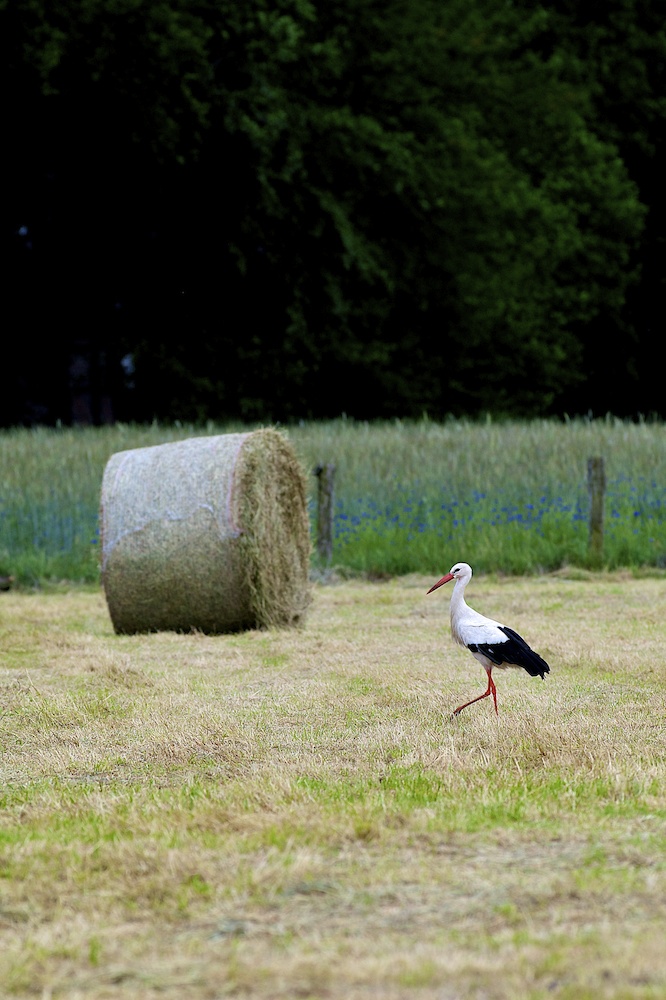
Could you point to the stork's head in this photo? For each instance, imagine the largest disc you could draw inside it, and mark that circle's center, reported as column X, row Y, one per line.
column 461, row 571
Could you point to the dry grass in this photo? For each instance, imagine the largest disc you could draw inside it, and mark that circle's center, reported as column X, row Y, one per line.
column 292, row 813
column 210, row 533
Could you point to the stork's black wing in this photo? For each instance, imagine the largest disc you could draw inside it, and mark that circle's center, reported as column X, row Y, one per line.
column 512, row 650
column 515, row 650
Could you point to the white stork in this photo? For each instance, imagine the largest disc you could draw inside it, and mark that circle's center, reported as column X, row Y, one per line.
column 493, row 644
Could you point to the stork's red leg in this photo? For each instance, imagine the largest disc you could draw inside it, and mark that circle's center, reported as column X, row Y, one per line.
column 491, row 690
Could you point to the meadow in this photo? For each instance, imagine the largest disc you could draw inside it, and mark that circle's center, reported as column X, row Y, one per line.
column 507, row 497
column 294, row 813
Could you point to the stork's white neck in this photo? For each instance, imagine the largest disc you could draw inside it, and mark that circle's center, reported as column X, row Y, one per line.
column 458, row 604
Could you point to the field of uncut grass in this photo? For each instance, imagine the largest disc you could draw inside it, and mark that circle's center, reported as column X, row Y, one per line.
column 410, row 497
column 272, row 815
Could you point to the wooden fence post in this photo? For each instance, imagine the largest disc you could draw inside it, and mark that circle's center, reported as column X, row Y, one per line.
column 596, row 482
column 326, row 475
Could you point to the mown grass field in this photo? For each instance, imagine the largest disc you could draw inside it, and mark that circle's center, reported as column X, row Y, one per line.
column 294, row 814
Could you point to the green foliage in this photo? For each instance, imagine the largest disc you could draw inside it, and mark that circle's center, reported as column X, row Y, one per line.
column 319, row 209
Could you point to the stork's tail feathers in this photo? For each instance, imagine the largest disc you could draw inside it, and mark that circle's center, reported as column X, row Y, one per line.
column 534, row 664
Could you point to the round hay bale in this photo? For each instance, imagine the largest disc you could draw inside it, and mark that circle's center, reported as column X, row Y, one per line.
column 208, row 534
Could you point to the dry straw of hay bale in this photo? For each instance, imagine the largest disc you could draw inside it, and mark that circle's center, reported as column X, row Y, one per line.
column 209, row 534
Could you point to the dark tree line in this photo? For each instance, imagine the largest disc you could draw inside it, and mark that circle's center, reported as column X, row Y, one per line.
column 291, row 209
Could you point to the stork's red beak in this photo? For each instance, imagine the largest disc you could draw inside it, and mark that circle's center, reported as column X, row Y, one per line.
column 445, row 579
